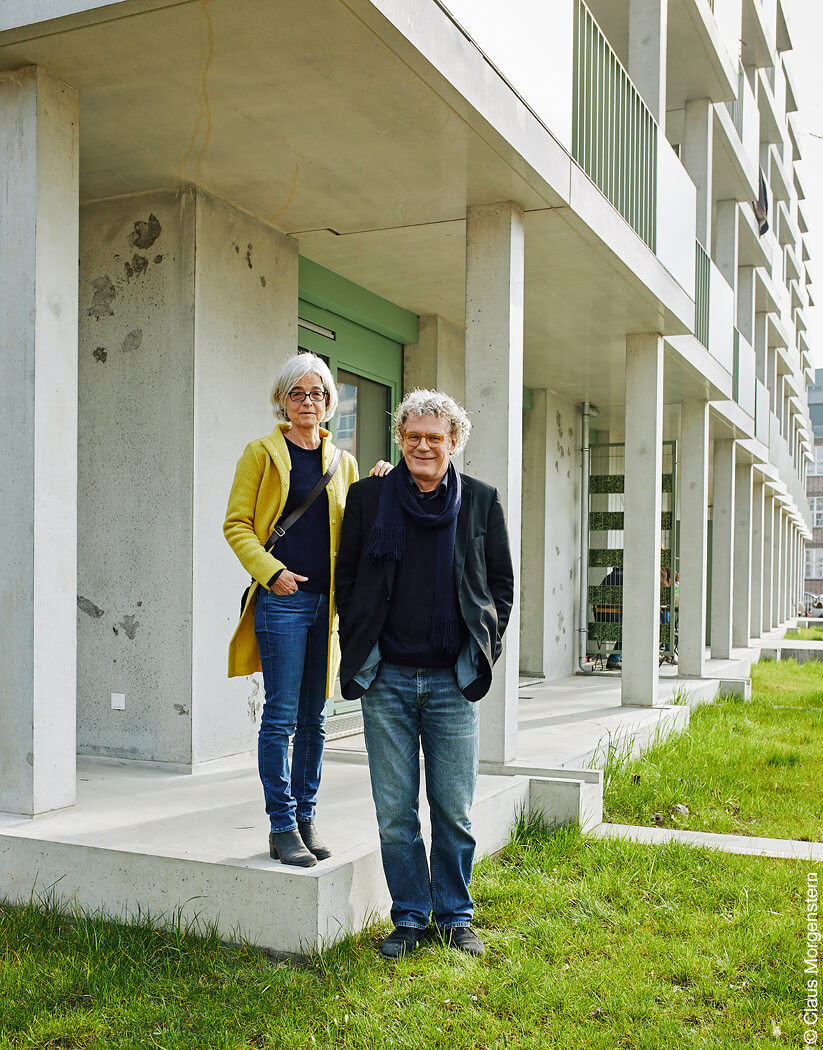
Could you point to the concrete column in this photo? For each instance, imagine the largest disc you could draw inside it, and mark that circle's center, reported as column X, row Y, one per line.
column 494, row 400
column 648, row 21
column 768, row 558
column 697, row 159
column 725, row 239
column 641, row 523
column 746, row 304
column 758, row 558
column 694, row 488
column 761, row 348
column 742, row 591
column 722, row 548
column 437, row 360
column 779, row 563
column 38, row 433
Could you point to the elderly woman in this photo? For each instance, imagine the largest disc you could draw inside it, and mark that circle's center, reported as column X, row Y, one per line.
column 287, row 625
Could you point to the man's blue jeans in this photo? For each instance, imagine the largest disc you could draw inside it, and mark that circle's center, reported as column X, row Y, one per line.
column 404, row 707
column 293, row 638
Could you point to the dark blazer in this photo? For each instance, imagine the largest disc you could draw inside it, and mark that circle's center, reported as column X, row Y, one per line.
column 482, row 571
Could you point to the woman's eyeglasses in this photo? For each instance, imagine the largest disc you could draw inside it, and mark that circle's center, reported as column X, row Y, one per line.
column 312, row 395
column 412, row 438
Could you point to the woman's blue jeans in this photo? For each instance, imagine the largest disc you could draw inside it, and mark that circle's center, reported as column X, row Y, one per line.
column 403, row 708
column 293, row 638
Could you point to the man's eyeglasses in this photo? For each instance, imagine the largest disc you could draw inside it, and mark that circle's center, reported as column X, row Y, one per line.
column 312, row 395
column 413, row 439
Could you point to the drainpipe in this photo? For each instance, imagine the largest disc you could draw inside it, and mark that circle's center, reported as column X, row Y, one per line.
column 582, row 626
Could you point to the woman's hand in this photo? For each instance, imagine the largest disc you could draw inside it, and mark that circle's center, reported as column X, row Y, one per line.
column 380, row 469
column 286, row 582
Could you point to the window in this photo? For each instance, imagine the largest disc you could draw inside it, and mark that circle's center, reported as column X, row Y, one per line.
column 816, row 466
column 814, row 563
column 816, row 503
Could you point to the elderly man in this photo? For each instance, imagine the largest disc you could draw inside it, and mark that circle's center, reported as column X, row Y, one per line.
column 424, row 589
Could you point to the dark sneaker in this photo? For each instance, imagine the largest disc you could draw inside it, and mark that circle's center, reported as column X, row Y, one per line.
column 403, row 940
column 464, row 939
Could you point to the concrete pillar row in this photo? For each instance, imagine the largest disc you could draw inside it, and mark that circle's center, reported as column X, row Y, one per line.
column 697, row 159
column 495, row 244
column 38, row 433
column 648, row 23
column 742, row 590
column 757, row 558
column 723, row 548
column 769, row 539
column 641, row 521
column 694, row 488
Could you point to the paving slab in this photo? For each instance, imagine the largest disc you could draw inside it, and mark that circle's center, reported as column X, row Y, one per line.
column 787, row 849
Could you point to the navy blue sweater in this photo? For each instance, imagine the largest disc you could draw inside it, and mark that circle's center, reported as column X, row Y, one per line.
column 305, row 547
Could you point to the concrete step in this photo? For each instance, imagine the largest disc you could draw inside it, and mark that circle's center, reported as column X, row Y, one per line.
column 198, row 845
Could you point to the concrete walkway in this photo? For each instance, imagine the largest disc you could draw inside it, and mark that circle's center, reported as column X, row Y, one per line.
column 165, row 841
column 786, row 849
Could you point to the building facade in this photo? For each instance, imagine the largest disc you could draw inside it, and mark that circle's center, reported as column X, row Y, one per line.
column 814, row 490
column 589, row 228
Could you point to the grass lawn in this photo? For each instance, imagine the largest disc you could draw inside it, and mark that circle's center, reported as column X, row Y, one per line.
column 591, row 943
column 805, row 634
column 741, row 768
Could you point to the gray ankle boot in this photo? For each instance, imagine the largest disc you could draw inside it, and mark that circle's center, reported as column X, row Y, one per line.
column 288, row 848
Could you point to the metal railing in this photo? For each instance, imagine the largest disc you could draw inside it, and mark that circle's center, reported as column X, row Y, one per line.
column 702, row 277
column 614, row 136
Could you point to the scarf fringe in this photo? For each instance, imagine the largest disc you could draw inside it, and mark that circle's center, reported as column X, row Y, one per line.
column 445, row 635
column 387, row 541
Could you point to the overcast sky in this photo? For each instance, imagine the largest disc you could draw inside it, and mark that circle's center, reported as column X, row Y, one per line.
column 805, row 62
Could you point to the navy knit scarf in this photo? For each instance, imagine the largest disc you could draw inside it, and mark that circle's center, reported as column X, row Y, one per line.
column 387, row 541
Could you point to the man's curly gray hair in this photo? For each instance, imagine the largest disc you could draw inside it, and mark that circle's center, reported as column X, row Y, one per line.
column 433, row 403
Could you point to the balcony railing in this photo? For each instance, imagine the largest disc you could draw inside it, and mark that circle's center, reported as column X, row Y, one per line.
column 614, row 136
column 702, row 273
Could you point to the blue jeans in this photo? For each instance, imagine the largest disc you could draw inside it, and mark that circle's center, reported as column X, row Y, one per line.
column 402, row 708
column 293, row 638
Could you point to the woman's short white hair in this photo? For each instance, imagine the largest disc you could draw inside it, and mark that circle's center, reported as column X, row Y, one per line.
column 433, row 403
column 291, row 373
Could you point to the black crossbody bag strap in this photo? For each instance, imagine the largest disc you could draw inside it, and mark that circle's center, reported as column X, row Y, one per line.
column 281, row 527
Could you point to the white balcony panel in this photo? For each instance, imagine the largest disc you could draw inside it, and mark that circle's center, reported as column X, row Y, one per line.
column 702, row 56
column 757, row 34
column 780, row 183
column 734, row 173
column 721, row 319
column 745, row 376
column 752, row 249
column 676, row 197
column 770, row 129
column 531, row 46
column 761, row 412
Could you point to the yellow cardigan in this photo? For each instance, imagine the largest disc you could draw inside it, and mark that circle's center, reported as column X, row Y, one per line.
column 256, row 501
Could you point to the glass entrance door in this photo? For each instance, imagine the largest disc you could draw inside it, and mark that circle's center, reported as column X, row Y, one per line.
column 368, row 369
column 363, row 419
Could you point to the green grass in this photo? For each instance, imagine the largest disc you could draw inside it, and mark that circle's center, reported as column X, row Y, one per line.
column 805, row 634
column 591, row 944
column 741, row 768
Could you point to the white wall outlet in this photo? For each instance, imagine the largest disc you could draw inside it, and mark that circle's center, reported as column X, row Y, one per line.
column 118, row 701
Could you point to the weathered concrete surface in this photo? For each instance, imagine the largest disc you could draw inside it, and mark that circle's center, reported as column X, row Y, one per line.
column 188, row 307
column 38, row 425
